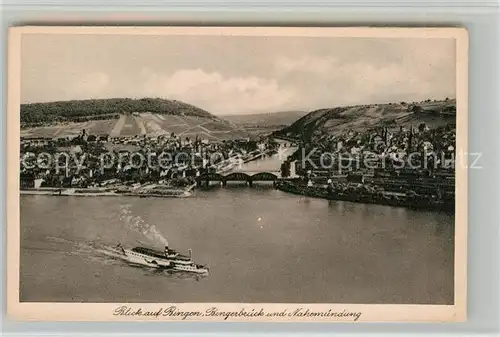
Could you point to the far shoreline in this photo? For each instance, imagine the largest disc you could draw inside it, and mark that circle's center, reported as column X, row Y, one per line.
column 307, row 192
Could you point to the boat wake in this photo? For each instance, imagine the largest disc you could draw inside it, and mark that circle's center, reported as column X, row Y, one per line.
column 107, row 254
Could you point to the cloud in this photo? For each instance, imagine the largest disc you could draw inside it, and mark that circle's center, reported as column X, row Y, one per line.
column 240, row 75
column 217, row 93
column 303, row 83
column 328, row 81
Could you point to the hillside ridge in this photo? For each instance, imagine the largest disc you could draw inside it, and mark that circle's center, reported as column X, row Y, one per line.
column 108, row 108
column 361, row 117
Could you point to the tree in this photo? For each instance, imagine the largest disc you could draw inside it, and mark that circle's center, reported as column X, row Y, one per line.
column 416, row 109
column 285, row 169
column 421, row 127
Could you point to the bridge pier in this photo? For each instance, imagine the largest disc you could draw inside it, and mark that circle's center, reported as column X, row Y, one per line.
column 224, row 183
column 250, row 183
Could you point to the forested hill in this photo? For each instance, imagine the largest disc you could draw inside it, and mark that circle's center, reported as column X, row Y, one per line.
column 92, row 109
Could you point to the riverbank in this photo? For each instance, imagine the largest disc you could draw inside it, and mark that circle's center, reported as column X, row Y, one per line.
column 366, row 196
column 83, row 192
column 358, row 195
column 64, row 193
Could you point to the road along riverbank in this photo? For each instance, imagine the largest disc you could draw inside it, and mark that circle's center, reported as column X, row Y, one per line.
column 89, row 192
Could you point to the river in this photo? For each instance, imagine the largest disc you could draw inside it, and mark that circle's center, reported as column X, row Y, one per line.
column 262, row 245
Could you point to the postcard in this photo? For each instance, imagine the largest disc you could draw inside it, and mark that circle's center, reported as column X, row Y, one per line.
column 237, row 174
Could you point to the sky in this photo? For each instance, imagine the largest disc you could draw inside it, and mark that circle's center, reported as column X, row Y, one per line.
column 230, row 75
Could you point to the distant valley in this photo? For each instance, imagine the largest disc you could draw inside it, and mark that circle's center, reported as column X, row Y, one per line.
column 265, row 123
column 281, row 118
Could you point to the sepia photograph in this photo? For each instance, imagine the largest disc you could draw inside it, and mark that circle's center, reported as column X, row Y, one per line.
column 209, row 173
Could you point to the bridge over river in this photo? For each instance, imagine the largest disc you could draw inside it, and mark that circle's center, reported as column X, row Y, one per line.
column 267, row 168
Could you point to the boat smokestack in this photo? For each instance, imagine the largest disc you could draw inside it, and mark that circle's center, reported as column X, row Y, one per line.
column 190, row 253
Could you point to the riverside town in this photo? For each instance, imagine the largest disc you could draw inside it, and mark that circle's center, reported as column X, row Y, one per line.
column 404, row 157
